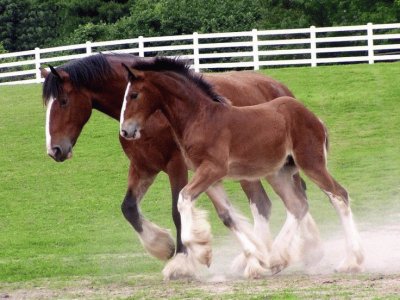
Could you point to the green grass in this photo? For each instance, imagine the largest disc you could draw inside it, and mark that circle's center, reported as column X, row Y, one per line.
column 63, row 221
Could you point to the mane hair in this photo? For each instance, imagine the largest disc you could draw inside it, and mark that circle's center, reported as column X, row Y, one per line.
column 160, row 64
column 90, row 72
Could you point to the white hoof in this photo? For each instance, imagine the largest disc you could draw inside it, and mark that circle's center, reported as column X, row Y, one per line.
column 182, row 266
column 254, row 270
column 278, row 262
column 157, row 241
column 351, row 264
column 248, row 266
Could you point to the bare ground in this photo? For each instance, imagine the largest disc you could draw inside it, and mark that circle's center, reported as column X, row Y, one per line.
column 366, row 286
column 381, row 278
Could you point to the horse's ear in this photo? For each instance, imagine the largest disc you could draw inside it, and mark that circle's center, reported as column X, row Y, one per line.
column 132, row 73
column 44, row 72
column 60, row 74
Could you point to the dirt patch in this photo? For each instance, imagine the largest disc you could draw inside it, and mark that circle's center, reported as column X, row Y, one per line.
column 298, row 286
column 380, row 279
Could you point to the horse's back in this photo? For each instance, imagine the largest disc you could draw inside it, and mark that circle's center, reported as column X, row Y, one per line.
column 258, row 88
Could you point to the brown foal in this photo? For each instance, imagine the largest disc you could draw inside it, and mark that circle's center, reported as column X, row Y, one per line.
column 272, row 140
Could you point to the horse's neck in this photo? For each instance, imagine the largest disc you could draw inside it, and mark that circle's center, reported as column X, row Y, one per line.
column 109, row 99
column 183, row 113
column 109, row 102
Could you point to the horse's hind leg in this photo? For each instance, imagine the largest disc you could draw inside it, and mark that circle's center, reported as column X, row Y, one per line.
column 298, row 239
column 311, row 158
column 255, row 259
column 157, row 241
column 340, row 200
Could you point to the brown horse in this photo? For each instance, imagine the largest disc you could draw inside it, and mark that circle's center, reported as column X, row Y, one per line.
column 71, row 92
column 273, row 140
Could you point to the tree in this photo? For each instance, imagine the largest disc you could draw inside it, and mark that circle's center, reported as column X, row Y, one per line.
column 27, row 24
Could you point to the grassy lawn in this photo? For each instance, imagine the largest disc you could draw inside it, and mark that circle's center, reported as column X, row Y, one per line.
column 62, row 222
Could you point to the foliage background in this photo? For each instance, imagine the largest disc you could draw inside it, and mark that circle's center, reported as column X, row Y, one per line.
column 26, row 24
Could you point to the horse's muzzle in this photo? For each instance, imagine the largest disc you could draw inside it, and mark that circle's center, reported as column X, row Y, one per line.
column 130, row 131
column 59, row 154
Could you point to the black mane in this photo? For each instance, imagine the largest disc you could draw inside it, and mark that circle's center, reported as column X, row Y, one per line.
column 91, row 72
column 179, row 66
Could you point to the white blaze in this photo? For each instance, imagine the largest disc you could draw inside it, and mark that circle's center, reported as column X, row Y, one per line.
column 48, row 136
column 121, row 120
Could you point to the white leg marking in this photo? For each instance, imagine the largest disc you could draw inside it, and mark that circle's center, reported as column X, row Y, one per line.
column 122, row 116
column 355, row 253
column 255, row 257
column 196, row 231
column 48, row 135
column 156, row 240
column 261, row 227
column 280, row 257
column 185, row 209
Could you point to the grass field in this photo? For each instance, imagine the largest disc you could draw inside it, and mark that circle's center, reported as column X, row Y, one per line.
column 62, row 234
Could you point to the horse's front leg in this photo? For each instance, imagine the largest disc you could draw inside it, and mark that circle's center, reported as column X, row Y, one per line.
column 157, row 241
column 182, row 265
column 196, row 231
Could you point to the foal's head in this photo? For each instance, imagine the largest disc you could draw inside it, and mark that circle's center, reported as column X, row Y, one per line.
column 140, row 102
column 151, row 83
column 67, row 93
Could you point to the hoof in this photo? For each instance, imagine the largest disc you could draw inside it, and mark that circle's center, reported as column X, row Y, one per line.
column 157, row 241
column 277, row 265
column 353, row 268
column 248, row 266
column 182, row 266
column 349, row 266
column 202, row 252
column 254, row 269
column 353, row 263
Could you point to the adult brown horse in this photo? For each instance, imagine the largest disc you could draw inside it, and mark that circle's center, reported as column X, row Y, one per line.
column 272, row 140
column 71, row 92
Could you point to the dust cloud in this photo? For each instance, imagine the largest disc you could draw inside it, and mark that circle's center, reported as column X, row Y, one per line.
column 381, row 243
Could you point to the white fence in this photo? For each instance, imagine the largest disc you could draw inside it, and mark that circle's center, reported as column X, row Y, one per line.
column 249, row 49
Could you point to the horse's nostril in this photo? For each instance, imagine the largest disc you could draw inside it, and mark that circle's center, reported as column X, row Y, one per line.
column 124, row 133
column 56, row 152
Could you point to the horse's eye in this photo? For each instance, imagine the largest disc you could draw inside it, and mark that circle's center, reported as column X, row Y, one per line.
column 134, row 95
column 63, row 102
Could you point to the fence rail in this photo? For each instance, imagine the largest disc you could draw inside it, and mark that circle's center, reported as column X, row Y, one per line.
column 249, row 49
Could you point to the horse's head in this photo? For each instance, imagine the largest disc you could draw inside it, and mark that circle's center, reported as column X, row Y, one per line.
column 68, row 109
column 140, row 102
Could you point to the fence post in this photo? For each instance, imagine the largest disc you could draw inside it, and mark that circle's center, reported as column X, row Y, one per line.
column 370, row 38
column 141, row 46
column 255, row 50
column 88, row 48
column 313, row 46
column 196, row 53
column 37, row 65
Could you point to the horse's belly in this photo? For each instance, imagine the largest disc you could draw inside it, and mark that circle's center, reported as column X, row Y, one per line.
column 252, row 171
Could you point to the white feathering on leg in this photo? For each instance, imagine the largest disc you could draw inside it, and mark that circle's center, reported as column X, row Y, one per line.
column 157, row 241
